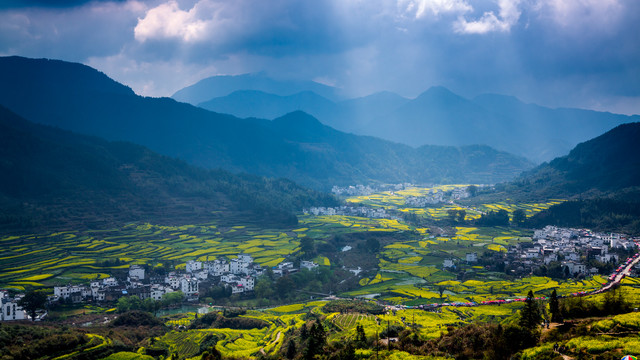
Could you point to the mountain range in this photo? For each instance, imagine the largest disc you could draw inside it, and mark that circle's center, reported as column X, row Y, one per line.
column 55, row 179
column 217, row 86
column 295, row 146
column 435, row 117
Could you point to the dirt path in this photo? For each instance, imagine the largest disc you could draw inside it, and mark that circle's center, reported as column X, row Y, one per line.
column 552, row 326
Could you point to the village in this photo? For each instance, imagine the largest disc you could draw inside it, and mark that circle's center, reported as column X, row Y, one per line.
column 575, row 253
column 361, row 211
column 238, row 275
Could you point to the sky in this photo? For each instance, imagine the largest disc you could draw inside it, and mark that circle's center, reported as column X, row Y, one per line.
column 558, row 53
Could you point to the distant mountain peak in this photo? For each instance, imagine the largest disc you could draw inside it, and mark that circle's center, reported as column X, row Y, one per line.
column 223, row 85
column 298, row 119
column 438, row 91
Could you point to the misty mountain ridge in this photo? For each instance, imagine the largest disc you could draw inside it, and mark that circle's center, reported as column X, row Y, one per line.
column 438, row 117
column 223, row 85
column 295, row 147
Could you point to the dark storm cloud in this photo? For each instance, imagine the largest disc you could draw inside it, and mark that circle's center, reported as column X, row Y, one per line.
column 96, row 29
column 551, row 51
column 8, row 4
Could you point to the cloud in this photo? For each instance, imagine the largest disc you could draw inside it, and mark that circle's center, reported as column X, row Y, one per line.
column 508, row 16
column 169, row 21
column 13, row 4
column 93, row 29
column 580, row 13
column 421, row 8
column 555, row 52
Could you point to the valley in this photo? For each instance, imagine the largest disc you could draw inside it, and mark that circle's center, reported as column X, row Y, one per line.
column 319, row 180
column 401, row 264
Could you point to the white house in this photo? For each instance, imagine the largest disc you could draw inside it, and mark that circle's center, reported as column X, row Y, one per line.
column 136, row 272
column 65, row 292
column 448, row 263
column 247, row 282
column 238, row 266
column 309, row 265
column 576, row 268
column 201, row 275
column 11, row 310
column 193, row 266
column 157, row 291
column 172, row 281
column 472, row 257
column 532, row 254
column 189, row 286
column 110, row 281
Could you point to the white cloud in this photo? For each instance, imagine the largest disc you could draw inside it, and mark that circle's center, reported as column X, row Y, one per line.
column 420, row 8
column 508, row 16
column 168, row 21
column 581, row 12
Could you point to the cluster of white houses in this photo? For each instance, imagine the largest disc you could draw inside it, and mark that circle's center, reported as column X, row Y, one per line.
column 239, row 274
column 570, row 247
column 436, row 196
column 361, row 211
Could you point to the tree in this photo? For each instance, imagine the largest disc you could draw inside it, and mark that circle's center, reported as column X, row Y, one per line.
column 519, row 217
column 172, row 298
column 554, row 307
column 361, row 338
column 472, row 190
column 285, row 286
column 494, row 218
column 373, row 245
column 32, row 301
column 127, row 303
column 530, row 313
column 317, row 340
column 307, row 247
column 451, row 214
column 461, row 215
column 264, row 288
column 291, row 349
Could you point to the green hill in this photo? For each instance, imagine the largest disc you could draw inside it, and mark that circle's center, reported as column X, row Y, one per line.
column 54, row 179
column 600, row 177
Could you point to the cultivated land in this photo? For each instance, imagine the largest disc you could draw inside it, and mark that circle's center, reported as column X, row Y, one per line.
column 407, row 271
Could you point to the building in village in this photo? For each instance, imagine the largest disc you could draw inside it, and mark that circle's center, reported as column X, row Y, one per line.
column 10, row 308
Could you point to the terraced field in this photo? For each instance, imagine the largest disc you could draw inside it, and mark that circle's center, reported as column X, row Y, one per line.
column 396, row 200
column 68, row 257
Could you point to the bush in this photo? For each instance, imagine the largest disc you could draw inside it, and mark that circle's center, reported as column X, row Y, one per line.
column 215, row 320
column 345, row 306
column 136, row 318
